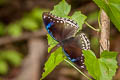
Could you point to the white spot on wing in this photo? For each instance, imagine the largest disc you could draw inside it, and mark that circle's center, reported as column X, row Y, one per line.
column 49, row 17
column 65, row 20
column 82, row 66
column 61, row 21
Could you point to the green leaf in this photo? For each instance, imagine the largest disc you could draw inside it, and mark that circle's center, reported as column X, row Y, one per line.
column 103, row 68
column 51, row 42
column 3, row 67
column 95, row 44
column 2, row 29
column 2, row 2
column 14, row 57
column 37, row 13
column 79, row 18
column 29, row 24
column 14, row 29
column 112, row 8
column 62, row 9
column 109, row 58
column 91, row 63
column 55, row 58
column 92, row 17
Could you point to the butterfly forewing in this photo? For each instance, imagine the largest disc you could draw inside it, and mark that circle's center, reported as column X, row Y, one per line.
column 59, row 28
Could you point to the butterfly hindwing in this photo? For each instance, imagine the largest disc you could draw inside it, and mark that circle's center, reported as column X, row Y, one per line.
column 59, row 28
column 73, row 48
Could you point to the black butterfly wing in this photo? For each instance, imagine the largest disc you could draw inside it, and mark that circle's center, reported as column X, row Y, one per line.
column 73, row 48
column 59, row 28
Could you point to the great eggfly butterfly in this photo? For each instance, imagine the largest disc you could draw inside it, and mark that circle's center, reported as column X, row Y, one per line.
column 64, row 31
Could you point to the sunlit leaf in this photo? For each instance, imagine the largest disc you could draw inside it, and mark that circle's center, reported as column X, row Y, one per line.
column 14, row 29
column 29, row 24
column 37, row 13
column 62, row 9
column 13, row 57
column 51, row 42
column 3, row 67
column 103, row 68
column 55, row 58
column 79, row 18
column 112, row 8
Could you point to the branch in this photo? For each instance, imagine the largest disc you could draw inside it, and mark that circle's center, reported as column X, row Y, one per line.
column 24, row 36
column 33, row 62
column 105, row 32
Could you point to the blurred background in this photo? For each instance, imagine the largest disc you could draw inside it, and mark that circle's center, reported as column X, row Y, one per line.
column 23, row 41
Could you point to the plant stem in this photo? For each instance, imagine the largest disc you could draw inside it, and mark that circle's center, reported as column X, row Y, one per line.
column 99, row 19
column 105, row 32
column 76, row 68
column 92, row 27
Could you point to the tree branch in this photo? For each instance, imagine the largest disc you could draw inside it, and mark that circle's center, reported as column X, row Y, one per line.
column 24, row 36
column 33, row 62
column 105, row 32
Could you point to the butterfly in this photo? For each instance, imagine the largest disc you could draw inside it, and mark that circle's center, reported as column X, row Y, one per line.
column 64, row 31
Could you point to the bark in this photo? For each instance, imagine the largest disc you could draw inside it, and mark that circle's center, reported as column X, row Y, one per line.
column 105, row 32
column 25, row 36
column 31, row 67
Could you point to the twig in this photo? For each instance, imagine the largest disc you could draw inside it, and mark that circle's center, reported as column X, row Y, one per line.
column 32, row 63
column 24, row 36
column 77, row 69
column 92, row 27
column 105, row 32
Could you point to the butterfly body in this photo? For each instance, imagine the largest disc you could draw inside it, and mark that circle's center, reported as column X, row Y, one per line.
column 65, row 32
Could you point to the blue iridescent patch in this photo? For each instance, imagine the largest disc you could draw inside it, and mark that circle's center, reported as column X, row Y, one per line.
column 47, row 27
column 71, row 59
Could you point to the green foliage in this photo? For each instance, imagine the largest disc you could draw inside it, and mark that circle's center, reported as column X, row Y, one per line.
column 112, row 8
column 79, row 18
column 14, row 29
column 3, row 67
column 51, row 42
column 36, row 14
column 92, row 17
column 103, row 68
column 31, row 22
column 62, row 9
column 2, row 31
column 9, row 56
column 56, row 58
column 3, row 2
column 95, row 44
